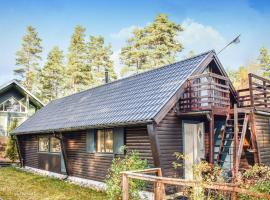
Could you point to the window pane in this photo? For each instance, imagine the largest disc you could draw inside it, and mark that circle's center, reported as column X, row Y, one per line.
column 43, row 144
column 100, row 141
column 109, row 141
column 12, row 105
column 55, row 145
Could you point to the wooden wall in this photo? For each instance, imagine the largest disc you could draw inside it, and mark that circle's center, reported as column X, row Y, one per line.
column 169, row 136
column 32, row 158
column 83, row 164
column 263, row 137
column 170, row 139
column 95, row 166
column 29, row 150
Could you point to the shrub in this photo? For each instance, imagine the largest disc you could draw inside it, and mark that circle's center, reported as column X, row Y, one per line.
column 131, row 161
column 11, row 149
column 256, row 179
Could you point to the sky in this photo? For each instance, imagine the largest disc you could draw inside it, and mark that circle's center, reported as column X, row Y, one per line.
column 207, row 25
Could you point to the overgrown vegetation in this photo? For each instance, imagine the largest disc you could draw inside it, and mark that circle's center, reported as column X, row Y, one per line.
column 15, row 184
column 256, row 179
column 11, row 149
column 131, row 161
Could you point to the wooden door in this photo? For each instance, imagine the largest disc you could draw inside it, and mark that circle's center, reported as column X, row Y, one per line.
column 193, row 146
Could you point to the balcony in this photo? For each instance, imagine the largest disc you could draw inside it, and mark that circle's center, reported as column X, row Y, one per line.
column 205, row 92
column 257, row 95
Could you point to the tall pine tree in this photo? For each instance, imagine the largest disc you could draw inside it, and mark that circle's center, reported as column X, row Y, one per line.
column 152, row 46
column 53, row 76
column 28, row 58
column 264, row 60
column 99, row 60
column 79, row 76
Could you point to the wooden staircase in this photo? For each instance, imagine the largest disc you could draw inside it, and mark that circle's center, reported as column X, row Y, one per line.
column 232, row 139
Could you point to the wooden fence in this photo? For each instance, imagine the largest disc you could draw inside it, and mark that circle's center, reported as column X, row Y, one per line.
column 160, row 181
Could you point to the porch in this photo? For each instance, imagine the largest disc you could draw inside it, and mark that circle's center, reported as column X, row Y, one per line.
column 230, row 116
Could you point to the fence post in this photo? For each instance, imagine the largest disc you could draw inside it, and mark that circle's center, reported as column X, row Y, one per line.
column 161, row 185
column 124, row 186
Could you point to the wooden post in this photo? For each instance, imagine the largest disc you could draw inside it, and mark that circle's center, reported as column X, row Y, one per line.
column 251, row 90
column 63, row 149
column 124, row 186
column 235, row 138
column 212, row 126
column 19, row 150
column 256, row 152
column 162, row 187
column 241, row 144
column 27, row 105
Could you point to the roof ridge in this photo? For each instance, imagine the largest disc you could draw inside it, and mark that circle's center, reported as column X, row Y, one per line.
column 134, row 75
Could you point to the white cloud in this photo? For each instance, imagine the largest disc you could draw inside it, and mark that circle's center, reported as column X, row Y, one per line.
column 124, row 33
column 198, row 37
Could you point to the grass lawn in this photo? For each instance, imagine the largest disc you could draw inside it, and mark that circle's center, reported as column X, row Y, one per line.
column 16, row 184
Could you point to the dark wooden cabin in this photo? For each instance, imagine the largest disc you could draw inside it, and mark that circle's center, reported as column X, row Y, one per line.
column 189, row 107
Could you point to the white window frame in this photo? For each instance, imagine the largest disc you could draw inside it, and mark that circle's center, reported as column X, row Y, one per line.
column 21, row 105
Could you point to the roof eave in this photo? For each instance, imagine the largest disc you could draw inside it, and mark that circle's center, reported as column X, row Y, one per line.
column 80, row 128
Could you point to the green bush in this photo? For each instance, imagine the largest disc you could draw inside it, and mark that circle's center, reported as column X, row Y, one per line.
column 256, row 179
column 11, row 149
column 131, row 161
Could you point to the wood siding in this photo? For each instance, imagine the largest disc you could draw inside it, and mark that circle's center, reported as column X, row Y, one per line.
column 29, row 150
column 170, row 139
column 169, row 134
column 94, row 165
column 263, row 137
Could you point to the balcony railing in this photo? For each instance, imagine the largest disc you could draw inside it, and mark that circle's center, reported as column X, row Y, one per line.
column 205, row 92
column 257, row 95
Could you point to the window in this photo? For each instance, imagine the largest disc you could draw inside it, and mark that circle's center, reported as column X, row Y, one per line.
column 105, row 141
column 49, row 144
column 12, row 105
column 43, row 144
column 55, row 146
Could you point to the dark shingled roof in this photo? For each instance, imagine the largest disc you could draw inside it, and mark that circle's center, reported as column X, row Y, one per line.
column 135, row 99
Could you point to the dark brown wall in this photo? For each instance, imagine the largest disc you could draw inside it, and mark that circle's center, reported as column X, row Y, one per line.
column 263, row 137
column 95, row 166
column 32, row 158
column 170, row 139
column 29, row 149
column 169, row 136
column 83, row 164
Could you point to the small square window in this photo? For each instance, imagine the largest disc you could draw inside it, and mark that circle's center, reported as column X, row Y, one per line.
column 43, row 144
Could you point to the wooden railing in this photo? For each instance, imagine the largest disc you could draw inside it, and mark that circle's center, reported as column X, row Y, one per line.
column 159, row 184
column 257, row 95
column 204, row 92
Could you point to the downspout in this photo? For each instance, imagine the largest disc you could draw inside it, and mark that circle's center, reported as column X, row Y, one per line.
column 63, row 150
column 18, row 150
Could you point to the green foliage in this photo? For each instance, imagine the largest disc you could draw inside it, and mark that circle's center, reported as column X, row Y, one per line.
column 256, row 179
column 131, row 161
column 11, row 149
column 99, row 59
column 239, row 77
column 264, row 60
column 28, row 58
column 79, row 76
column 152, row 46
column 53, row 76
